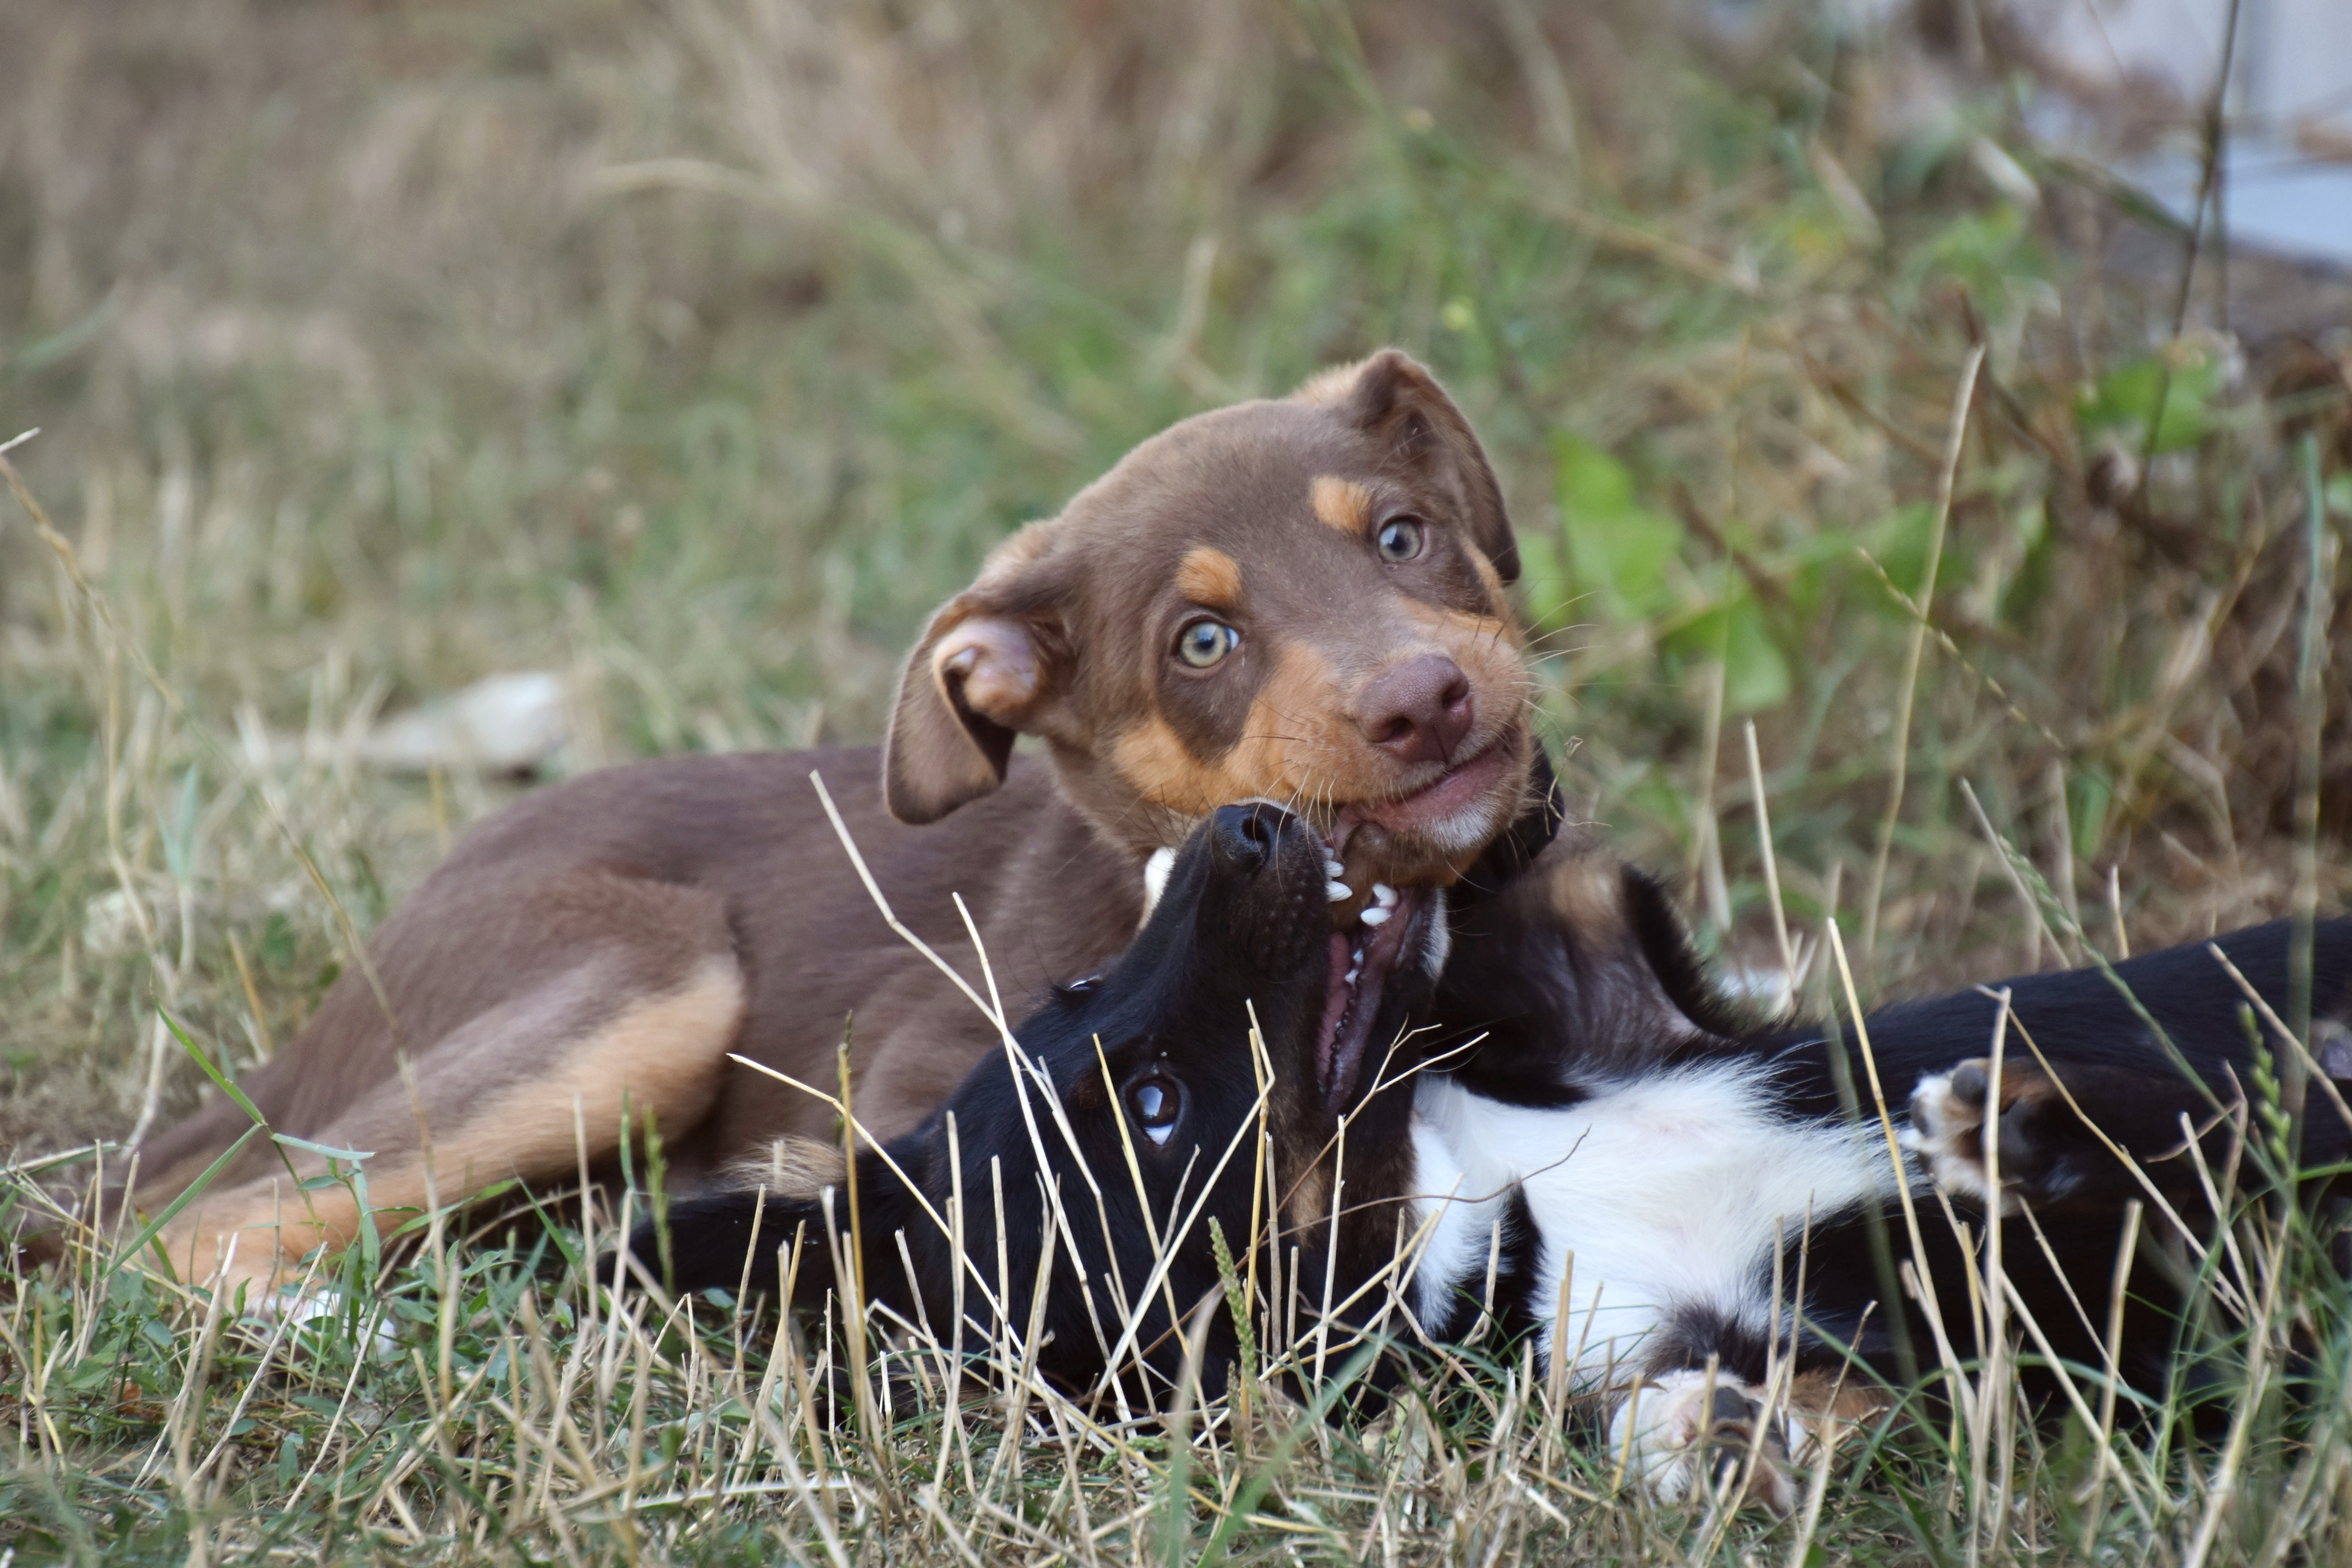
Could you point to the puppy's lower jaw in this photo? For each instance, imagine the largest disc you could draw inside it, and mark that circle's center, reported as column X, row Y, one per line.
column 1431, row 836
column 1689, row 1432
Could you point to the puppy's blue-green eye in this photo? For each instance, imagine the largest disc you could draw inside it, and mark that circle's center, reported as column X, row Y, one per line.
column 1156, row 1103
column 1203, row 643
column 1400, row 540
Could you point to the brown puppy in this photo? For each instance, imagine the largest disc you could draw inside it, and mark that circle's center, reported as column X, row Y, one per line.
column 1302, row 599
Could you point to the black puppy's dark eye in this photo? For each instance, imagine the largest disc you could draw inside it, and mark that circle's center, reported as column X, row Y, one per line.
column 1156, row 1101
column 1400, row 540
column 1203, row 643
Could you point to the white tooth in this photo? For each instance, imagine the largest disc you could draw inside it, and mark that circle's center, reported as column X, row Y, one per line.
column 1333, row 870
column 1384, row 895
column 1375, row 915
column 1335, row 891
column 1350, row 977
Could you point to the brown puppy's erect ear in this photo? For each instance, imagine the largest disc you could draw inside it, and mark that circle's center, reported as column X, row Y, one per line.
column 1395, row 398
column 979, row 675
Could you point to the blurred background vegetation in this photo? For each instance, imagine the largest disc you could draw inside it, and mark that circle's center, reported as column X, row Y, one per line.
column 690, row 352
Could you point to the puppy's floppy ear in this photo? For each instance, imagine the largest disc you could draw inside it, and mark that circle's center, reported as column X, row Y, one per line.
column 1396, row 400
column 980, row 674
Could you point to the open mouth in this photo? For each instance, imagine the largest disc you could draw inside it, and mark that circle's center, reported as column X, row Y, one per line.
column 1391, row 928
column 1378, row 926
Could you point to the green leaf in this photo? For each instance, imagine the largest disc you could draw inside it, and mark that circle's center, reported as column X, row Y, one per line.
column 2088, row 794
column 1756, row 673
column 220, row 1080
column 2125, row 401
column 1544, row 586
column 1617, row 548
column 1899, row 545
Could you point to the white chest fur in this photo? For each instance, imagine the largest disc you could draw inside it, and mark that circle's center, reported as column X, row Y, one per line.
column 1665, row 1190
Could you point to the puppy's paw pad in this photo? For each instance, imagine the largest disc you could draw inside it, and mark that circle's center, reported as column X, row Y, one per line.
column 1687, row 1433
column 1947, row 1129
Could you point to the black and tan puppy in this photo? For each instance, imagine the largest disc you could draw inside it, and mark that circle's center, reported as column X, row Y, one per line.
column 1580, row 1142
column 1125, row 1123
column 1650, row 1171
column 1301, row 599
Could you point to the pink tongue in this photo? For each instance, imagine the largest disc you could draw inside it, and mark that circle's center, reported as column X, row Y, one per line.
column 1334, row 1007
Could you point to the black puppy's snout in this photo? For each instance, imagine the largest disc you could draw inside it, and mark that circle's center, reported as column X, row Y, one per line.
column 1243, row 837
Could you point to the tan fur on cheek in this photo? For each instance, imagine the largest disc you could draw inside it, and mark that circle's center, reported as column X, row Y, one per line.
column 1497, row 597
column 1210, row 578
column 1156, row 765
column 1286, row 750
column 1341, row 503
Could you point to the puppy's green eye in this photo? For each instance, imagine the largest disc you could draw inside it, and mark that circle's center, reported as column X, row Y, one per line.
column 1400, row 540
column 1204, row 642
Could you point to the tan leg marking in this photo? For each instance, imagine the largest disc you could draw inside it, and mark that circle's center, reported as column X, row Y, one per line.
column 658, row 1057
column 1343, row 504
column 1210, row 578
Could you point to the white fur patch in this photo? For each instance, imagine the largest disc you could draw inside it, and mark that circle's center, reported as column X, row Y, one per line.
column 1453, row 1255
column 1667, row 1189
column 300, row 1308
column 1438, row 945
column 1155, row 879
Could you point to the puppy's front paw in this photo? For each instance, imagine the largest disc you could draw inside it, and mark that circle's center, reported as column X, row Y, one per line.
column 1947, row 1129
column 1686, row 1432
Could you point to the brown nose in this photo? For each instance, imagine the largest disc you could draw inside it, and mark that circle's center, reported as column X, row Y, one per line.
column 1418, row 712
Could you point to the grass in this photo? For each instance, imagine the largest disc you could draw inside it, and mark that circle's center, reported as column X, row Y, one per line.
column 693, row 354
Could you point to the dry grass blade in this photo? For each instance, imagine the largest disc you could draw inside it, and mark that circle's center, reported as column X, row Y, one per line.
column 1900, row 757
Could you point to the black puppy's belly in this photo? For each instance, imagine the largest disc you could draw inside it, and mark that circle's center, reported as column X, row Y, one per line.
column 1567, row 1005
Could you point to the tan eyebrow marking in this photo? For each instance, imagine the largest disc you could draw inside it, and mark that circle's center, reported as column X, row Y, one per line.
column 1341, row 503
column 1210, row 578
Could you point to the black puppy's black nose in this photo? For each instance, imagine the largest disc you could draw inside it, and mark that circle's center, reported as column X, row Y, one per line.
column 1242, row 836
